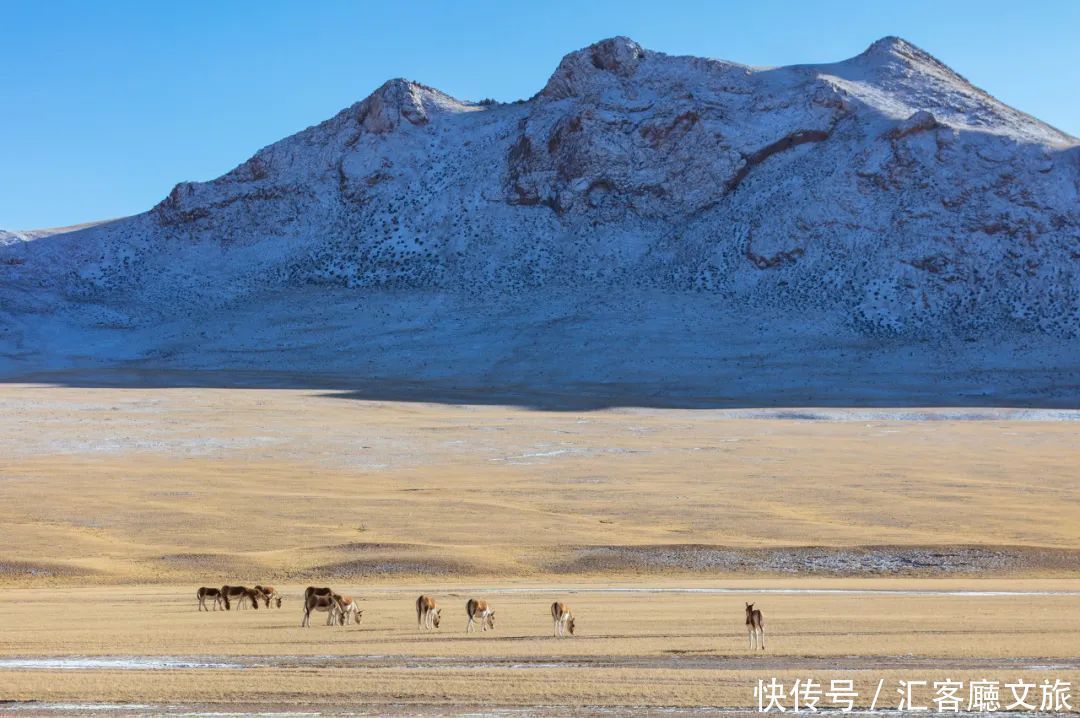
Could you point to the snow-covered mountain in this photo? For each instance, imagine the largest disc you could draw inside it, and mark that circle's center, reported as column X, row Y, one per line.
column 671, row 228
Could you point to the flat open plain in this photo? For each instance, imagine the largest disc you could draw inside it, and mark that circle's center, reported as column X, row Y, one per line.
column 881, row 544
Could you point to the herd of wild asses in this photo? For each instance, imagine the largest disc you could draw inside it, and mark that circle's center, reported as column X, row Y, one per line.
column 220, row 597
column 342, row 610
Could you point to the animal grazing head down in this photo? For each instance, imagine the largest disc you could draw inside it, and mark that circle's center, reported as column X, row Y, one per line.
column 570, row 625
column 279, row 598
column 491, row 619
column 438, row 615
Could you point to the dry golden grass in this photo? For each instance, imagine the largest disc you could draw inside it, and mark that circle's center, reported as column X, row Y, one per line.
column 115, row 504
column 217, row 485
column 631, row 649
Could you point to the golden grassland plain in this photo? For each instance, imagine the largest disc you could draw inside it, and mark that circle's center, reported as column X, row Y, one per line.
column 647, row 649
column 115, row 504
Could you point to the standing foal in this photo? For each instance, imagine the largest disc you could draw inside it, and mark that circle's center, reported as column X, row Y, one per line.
column 755, row 626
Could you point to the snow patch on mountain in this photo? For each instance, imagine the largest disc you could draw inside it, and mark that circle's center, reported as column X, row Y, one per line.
column 881, row 204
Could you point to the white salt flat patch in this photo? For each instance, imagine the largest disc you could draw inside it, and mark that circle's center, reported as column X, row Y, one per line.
column 268, row 714
column 69, row 707
column 122, row 663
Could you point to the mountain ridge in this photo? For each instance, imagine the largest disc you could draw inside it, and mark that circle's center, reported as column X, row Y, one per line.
column 879, row 201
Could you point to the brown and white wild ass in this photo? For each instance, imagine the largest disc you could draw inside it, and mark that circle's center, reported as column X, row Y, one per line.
column 348, row 611
column 428, row 613
column 755, row 626
column 270, row 594
column 479, row 611
column 330, row 603
column 253, row 596
column 560, row 614
column 213, row 594
column 241, row 594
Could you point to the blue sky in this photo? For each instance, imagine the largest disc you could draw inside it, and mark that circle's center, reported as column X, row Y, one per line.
column 104, row 106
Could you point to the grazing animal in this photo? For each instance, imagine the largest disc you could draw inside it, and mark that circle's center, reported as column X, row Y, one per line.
column 330, row 603
column 348, row 612
column 252, row 595
column 428, row 613
column 313, row 591
column 213, row 594
column 236, row 592
column 755, row 626
column 564, row 620
column 479, row 611
column 269, row 593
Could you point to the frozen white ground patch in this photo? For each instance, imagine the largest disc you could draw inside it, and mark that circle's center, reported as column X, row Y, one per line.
column 673, row 659
column 543, row 454
column 141, row 710
column 438, row 711
column 191, row 446
column 117, row 663
column 43, row 706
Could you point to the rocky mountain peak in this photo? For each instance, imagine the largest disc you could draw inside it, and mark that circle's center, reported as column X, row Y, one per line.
column 899, row 52
column 400, row 100
column 619, row 56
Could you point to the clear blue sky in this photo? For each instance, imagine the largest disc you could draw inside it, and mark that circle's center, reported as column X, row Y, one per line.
column 104, row 106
